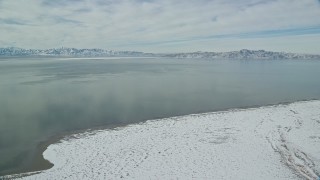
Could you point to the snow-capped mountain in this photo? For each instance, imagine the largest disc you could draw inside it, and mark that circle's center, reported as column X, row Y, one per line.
column 73, row 52
column 244, row 54
column 68, row 52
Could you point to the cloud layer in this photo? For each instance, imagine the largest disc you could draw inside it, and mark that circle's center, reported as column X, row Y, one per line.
column 162, row 25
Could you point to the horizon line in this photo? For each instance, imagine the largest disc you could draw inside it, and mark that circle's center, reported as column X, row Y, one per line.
column 195, row 51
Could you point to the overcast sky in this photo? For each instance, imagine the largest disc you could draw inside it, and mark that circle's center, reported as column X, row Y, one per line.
column 162, row 25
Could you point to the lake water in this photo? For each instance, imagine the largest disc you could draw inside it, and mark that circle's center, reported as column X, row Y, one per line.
column 43, row 97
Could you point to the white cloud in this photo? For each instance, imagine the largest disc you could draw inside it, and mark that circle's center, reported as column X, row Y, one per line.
column 158, row 25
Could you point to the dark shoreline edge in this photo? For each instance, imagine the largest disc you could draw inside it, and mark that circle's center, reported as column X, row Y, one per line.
column 40, row 164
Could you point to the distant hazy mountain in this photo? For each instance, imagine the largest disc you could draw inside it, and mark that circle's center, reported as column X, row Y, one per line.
column 67, row 52
column 73, row 52
column 244, row 54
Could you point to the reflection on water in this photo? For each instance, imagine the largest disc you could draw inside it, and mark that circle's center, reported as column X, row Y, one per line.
column 43, row 97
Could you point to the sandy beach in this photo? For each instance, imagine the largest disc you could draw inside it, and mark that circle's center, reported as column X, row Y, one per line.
column 273, row 142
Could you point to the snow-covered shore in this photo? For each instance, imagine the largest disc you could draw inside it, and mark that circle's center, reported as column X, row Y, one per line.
column 274, row 142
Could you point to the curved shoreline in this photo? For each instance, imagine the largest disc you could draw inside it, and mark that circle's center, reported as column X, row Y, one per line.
column 34, row 169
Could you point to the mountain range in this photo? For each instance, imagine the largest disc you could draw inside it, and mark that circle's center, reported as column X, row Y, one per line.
column 244, row 54
column 66, row 52
column 74, row 52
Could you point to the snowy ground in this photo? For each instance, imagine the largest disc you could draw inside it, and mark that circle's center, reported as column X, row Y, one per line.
column 275, row 142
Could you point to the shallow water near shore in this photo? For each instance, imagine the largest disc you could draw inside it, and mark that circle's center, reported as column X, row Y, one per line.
column 44, row 97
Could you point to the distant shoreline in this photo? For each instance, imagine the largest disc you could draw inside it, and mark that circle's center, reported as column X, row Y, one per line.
column 90, row 53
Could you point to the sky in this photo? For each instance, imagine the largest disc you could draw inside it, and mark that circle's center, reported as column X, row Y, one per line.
column 162, row 25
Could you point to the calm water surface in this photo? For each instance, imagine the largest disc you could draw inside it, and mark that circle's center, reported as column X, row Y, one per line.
column 42, row 97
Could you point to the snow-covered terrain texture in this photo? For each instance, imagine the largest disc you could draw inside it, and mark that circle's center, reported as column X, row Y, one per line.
column 74, row 52
column 68, row 52
column 274, row 142
column 244, row 54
